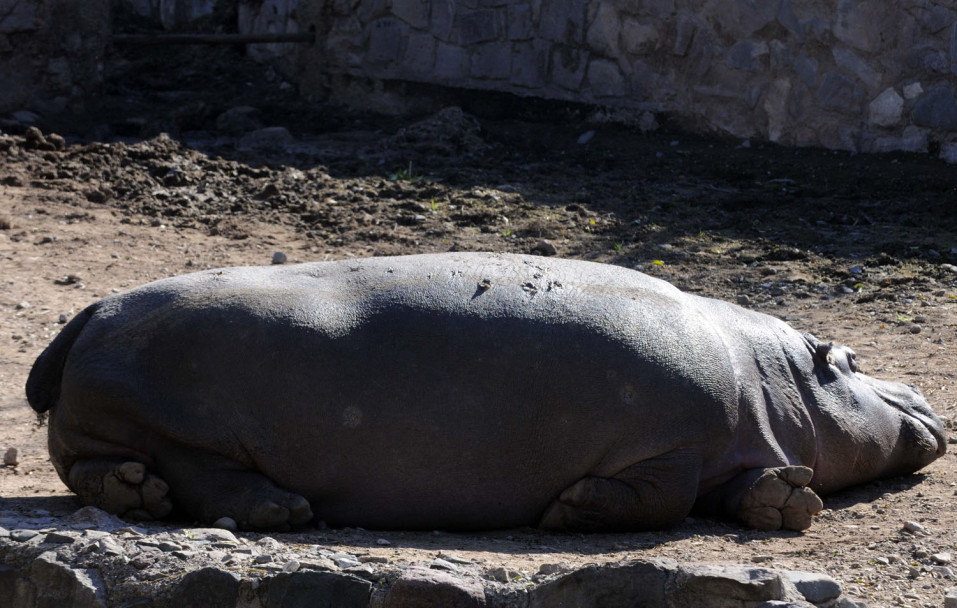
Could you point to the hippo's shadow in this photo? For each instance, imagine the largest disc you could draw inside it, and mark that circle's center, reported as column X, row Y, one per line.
column 46, row 506
column 39, row 510
column 873, row 491
column 53, row 512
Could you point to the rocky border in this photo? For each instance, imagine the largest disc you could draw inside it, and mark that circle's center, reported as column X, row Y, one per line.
column 91, row 559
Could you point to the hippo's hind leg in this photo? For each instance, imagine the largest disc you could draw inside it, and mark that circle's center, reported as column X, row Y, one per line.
column 767, row 499
column 208, row 487
column 653, row 494
column 120, row 487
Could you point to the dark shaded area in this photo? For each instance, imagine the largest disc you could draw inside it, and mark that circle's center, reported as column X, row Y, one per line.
column 684, row 185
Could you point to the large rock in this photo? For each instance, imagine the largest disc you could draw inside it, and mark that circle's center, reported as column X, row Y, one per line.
column 16, row 589
column 426, row 588
column 206, row 588
column 57, row 584
column 17, row 16
column 313, row 589
column 936, row 109
column 662, row 582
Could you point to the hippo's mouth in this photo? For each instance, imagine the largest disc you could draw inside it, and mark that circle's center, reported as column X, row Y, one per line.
column 925, row 438
column 918, row 421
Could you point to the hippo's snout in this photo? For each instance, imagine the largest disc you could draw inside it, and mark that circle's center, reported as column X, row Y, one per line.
column 936, row 428
column 927, row 429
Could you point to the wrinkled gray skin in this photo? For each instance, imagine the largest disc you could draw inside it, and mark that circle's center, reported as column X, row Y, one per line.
column 461, row 391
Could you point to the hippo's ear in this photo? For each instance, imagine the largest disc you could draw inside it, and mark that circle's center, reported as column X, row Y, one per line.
column 819, row 350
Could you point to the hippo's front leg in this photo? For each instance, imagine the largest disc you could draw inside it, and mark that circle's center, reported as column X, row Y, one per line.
column 649, row 495
column 767, row 499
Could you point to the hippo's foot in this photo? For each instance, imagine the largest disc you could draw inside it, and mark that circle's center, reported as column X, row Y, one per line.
column 123, row 488
column 252, row 500
column 779, row 499
column 650, row 495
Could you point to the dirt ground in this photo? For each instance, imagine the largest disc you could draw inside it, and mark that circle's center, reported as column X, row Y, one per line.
column 855, row 249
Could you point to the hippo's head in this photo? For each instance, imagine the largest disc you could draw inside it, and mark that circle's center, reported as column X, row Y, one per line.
column 866, row 429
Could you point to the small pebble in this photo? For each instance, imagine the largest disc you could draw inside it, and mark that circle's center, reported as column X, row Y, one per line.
column 760, row 559
column 441, row 564
column 291, row 566
column 914, row 329
column 279, row 258
column 265, row 558
column 11, row 457
column 345, row 560
column 585, row 137
column 504, row 575
column 856, row 269
column 23, row 535
column 942, row 558
column 383, row 542
column 913, row 526
column 63, row 318
column 23, row 305
column 59, row 537
column 545, row 247
column 226, row 523
column 547, row 569
column 744, row 300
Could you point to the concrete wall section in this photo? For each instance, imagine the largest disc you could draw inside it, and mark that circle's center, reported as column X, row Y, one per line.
column 865, row 75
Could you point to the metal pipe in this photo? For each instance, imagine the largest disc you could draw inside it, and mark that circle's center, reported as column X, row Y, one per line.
column 164, row 39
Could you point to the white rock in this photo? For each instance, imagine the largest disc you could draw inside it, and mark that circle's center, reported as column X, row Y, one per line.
column 913, row 90
column 291, row 566
column 916, row 528
column 886, row 109
column 942, row 558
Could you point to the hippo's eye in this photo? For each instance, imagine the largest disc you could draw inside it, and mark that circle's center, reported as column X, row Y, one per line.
column 852, row 361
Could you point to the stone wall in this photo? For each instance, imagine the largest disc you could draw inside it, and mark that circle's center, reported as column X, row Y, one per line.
column 51, row 53
column 860, row 75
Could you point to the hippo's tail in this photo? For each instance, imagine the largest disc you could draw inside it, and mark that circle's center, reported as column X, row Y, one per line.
column 43, row 384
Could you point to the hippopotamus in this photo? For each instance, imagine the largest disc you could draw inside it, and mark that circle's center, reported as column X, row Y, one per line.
column 461, row 391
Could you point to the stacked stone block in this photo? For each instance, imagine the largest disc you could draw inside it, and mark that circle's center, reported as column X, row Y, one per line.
column 861, row 75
